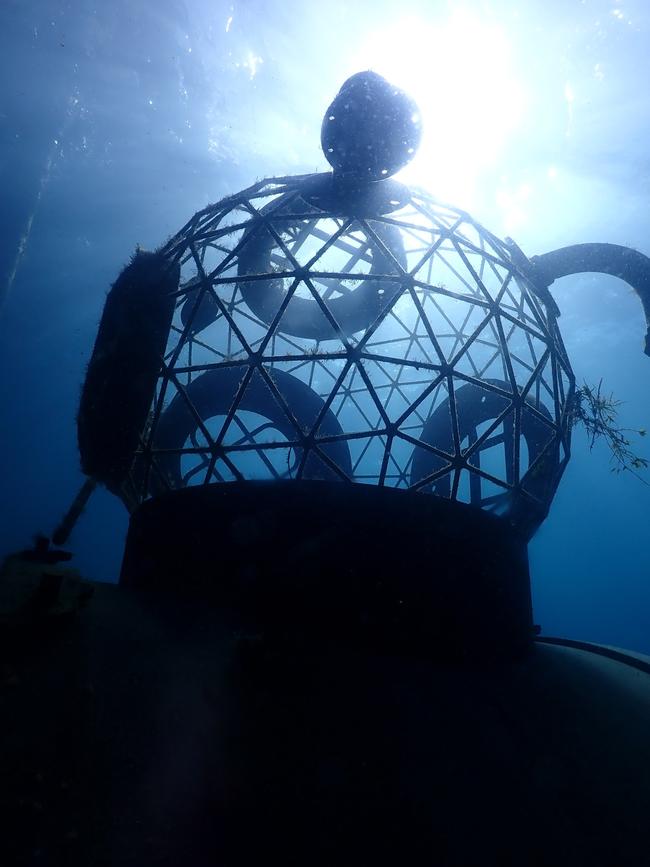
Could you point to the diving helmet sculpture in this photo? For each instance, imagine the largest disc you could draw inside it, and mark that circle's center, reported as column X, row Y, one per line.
column 341, row 326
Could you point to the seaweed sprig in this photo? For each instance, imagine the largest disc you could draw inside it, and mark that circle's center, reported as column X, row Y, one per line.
column 598, row 412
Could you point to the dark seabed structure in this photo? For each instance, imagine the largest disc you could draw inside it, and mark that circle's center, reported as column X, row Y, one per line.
column 324, row 530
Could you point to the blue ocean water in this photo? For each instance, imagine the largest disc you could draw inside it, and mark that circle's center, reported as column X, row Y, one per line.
column 118, row 121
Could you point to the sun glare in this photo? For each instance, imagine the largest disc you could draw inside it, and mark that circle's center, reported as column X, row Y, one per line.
column 460, row 72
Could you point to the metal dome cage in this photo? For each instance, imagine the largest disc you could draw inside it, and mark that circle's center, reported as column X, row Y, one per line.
column 396, row 345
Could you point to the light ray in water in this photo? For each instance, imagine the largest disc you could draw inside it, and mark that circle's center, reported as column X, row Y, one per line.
column 54, row 151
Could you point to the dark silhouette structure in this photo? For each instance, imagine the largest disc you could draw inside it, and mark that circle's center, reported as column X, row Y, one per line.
column 337, row 411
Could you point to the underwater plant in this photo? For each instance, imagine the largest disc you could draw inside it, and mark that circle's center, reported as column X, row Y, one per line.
column 597, row 413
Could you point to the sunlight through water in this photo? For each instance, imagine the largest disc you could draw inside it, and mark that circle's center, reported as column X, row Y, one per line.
column 461, row 73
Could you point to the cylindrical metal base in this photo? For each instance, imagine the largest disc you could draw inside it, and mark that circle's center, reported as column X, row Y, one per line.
column 327, row 560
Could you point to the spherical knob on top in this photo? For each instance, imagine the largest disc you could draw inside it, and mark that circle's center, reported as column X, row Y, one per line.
column 371, row 130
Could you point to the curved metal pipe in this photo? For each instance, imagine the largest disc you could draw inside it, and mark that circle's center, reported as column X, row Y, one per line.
column 623, row 262
column 634, row 660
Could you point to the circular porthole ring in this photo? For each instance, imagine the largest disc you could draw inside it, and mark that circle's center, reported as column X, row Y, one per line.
column 303, row 317
column 212, row 394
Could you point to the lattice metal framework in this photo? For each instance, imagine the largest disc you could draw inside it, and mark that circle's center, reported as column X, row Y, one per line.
column 402, row 348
